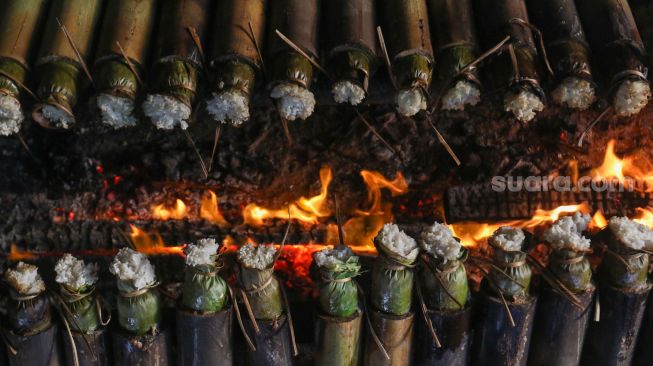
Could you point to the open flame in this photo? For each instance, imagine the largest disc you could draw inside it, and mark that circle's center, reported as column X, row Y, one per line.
column 632, row 171
column 307, row 210
column 179, row 212
column 15, row 254
column 644, row 216
column 152, row 244
column 210, row 211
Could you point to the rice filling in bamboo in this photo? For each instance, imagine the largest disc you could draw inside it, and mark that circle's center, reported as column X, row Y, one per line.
column 203, row 290
column 256, row 277
column 512, row 275
column 77, row 285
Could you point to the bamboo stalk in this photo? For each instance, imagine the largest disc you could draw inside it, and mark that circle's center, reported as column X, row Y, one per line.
column 59, row 76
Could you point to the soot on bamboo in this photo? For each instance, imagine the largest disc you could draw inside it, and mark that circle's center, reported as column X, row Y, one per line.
column 59, row 73
column 567, row 50
column 179, row 65
column 407, row 35
column 352, row 56
column 291, row 73
column 619, row 50
column 235, row 61
column 22, row 20
column 122, row 52
column 454, row 30
column 516, row 68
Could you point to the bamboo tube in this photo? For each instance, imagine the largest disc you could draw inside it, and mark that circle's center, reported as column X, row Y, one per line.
column 92, row 349
column 518, row 70
column 457, row 46
column 620, row 52
column 455, row 331
column 179, row 65
column 643, row 351
column 204, row 339
column 273, row 344
column 147, row 349
column 291, row 74
column 235, row 62
column 407, row 35
column 643, row 13
column 352, row 56
column 21, row 21
column 122, row 52
column 338, row 340
column 59, row 72
column 396, row 335
column 37, row 349
column 567, row 51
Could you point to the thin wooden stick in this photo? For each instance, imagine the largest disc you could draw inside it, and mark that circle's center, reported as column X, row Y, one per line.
column 240, row 319
column 130, row 64
column 301, row 52
column 375, row 337
column 21, row 85
column 377, row 134
column 250, row 312
column 286, row 129
column 291, row 326
column 76, row 50
column 600, row 117
column 218, row 130
column 198, row 43
column 197, row 152
column 341, row 233
column 540, row 38
column 498, row 291
column 258, row 49
column 427, row 319
column 444, row 142
column 435, row 273
column 515, row 64
column 386, row 57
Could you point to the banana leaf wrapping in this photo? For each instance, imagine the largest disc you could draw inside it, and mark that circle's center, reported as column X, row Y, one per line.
column 203, row 290
column 263, row 292
column 622, row 267
column 510, row 275
column 82, row 313
column 59, row 75
column 338, row 293
column 392, row 282
column 139, row 313
column 445, row 283
column 572, row 268
column 28, row 315
column 21, row 20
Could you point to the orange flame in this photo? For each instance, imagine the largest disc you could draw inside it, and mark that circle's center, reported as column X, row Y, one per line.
column 359, row 232
column 598, row 222
column 644, row 216
column 15, row 254
column 631, row 171
column 210, row 210
column 152, row 244
column 179, row 212
column 307, row 210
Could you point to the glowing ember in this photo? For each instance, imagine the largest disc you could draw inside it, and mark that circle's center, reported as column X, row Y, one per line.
column 152, row 244
column 179, row 212
column 307, row 210
column 210, row 211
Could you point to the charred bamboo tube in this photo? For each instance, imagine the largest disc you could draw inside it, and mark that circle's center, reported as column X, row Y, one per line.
column 122, row 52
column 516, row 68
column 31, row 334
column 338, row 340
column 616, row 42
column 407, row 36
column 352, row 56
column 291, row 74
column 273, row 344
column 396, row 335
column 443, row 281
column 88, row 341
column 560, row 325
column 643, row 13
column 643, row 352
column 140, row 339
column 235, row 61
column 59, row 72
column 457, row 46
column 506, row 308
column 176, row 72
column 567, row 50
column 21, row 21
column 622, row 293
column 203, row 318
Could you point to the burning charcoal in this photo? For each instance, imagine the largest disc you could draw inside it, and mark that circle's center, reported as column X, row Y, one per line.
column 391, row 297
column 339, row 324
column 291, row 74
column 203, row 317
column 59, row 75
column 21, row 20
column 561, row 320
column 516, row 68
column 31, row 332
column 622, row 293
column 262, row 295
column 567, row 50
column 506, row 307
column 176, row 73
column 88, row 342
column 408, row 40
column 455, row 35
column 140, row 340
column 126, row 32
column 618, row 47
column 446, row 296
column 236, row 63
column 352, row 57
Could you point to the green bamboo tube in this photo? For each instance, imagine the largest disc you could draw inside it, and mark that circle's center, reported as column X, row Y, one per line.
column 21, row 20
column 59, row 75
column 407, row 37
column 396, row 335
column 235, row 62
column 122, row 52
column 352, row 56
column 338, row 340
column 290, row 73
column 178, row 68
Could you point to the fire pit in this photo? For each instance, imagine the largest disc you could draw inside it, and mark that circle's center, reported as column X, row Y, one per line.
column 469, row 160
